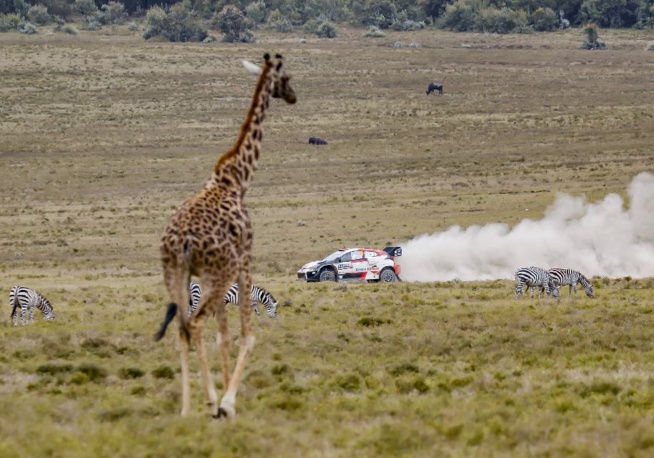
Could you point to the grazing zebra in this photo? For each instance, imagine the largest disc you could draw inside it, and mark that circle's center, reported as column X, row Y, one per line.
column 257, row 295
column 536, row 278
column 571, row 277
column 433, row 87
column 27, row 299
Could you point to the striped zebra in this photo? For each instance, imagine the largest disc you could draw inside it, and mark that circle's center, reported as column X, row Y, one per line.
column 27, row 299
column 535, row 277
column 571, row 277
column 257, row 295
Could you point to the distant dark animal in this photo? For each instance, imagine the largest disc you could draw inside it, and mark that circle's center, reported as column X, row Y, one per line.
column 571, row 278
column 27, row 299
column 317, row 141
column 435, row 87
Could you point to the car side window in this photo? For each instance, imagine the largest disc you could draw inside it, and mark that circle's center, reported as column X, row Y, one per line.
column 347, row 257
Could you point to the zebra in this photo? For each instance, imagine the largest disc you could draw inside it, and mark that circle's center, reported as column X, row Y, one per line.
column 27, row 299
column 433, row 87
column 257, row 294
column 571, row 277
column 535, row 277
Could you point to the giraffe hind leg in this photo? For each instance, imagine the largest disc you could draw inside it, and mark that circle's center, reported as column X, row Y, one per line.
column 228, row 402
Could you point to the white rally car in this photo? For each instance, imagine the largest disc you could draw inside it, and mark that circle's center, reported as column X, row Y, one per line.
column 363, row 264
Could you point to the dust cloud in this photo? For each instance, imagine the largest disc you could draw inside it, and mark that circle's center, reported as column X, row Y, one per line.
column 598, row 239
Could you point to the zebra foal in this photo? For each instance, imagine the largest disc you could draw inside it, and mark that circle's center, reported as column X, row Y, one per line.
column 257, row 295
column 27, row 299
column 571, row 278
column 535, row 277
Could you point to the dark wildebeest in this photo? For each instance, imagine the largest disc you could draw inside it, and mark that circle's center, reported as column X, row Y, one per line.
column 317, row 141
column 435, row 87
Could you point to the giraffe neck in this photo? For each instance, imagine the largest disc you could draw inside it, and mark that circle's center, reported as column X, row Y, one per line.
column 239, row 163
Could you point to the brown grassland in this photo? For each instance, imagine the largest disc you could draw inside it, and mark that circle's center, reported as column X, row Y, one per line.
column 103, row 135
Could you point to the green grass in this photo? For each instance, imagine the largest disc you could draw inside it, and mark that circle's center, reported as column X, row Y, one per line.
column 103, row 136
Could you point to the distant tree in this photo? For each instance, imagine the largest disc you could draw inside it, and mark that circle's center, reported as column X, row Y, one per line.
column 85, row 7
column 233, row 24
column 279, row 22
column 113, row 13
column 18, row 7
column 610, row 13
column 38, row 14
column 544, row 19
column 256, row 12
column 179, row 24
column 460, row 16
column 435, row 8
column 504, row 20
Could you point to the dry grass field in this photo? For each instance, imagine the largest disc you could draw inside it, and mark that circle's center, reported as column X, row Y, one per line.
column 103, row 135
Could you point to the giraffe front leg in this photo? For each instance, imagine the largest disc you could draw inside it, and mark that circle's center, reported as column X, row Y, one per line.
column 228, row 402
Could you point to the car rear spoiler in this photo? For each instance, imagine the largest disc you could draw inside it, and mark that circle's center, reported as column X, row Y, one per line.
column 393, row 251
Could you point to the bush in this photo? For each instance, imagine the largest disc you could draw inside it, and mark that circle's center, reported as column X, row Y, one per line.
column 380, row 14
column 279, row 22
column 91, row 22
column 85, row 7
column 544, row 19
column 179, row 24
column 327, row 30
column 11, row 7
column 256, row 12
column 460, row 16
column 374, row 32
column 9, row 22
column 113, row 13
column 592, row 38
column 27, row 28
column 650, row 46
column 69, row 29
column 505, row 20
column 233, row 24
column 38, row 14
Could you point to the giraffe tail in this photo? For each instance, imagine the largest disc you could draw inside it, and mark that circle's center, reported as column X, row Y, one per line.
column 170, row 316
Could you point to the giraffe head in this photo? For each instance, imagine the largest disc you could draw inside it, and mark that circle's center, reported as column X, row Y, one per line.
column 279, row 80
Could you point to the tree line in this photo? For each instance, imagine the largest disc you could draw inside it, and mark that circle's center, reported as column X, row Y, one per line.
column 237, row 19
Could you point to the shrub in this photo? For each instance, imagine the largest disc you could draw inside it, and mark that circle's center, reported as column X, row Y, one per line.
column 460, row 16
column 130, row 373
column 650, row 46
column 327, row 30
column 27, row 28
column 381, row 14
column 233, row 24
column 85, row 7
column 279, row 22
column 163, row 372
column 256, row 12
column 10, row 7
column 9, row 22
column 592, row 38
column 374, row 32
column 38, row 14
column 179, row 24
column 544, row 19
column 69, row 29
column 91, row 22
column 113, row 13
column 505, row 20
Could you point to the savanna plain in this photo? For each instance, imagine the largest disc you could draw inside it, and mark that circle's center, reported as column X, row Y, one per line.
column 103, row 135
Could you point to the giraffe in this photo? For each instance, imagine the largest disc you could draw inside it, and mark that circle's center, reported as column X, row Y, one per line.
column 210, row 236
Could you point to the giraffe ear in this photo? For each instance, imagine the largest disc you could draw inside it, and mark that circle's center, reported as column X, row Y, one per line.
column 252, row 68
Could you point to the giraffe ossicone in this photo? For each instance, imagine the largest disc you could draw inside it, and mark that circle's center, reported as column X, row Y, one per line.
column 210, row 236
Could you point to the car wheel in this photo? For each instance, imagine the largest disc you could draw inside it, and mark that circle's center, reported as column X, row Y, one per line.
column 327, row 275
column 387, row 276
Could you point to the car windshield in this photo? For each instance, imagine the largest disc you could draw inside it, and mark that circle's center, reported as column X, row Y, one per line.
column 334, row 256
